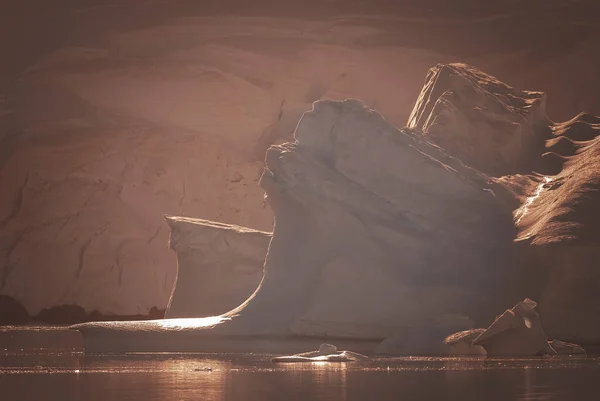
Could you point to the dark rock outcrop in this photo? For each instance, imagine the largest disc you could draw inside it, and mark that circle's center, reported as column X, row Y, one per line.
column 64, row 314
column 153, row 313
column 12, row 311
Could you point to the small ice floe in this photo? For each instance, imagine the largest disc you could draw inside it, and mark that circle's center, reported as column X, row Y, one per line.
column 565, row 348
column 461, row 343
column 326, row 353
column 517, row 332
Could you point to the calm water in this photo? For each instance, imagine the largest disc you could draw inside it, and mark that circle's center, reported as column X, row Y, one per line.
column 254, row 377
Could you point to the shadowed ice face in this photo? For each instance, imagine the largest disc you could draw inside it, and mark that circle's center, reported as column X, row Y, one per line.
column 315, row 126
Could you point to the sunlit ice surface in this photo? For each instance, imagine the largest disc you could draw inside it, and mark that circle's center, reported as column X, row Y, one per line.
column 161, row 324
column 524, row 209
column 190, row 323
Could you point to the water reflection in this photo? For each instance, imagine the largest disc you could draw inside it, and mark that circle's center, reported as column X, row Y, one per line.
column 224, row 377
column 533, row 391
column 331, row 377
column 40, row 363
column 165, row 379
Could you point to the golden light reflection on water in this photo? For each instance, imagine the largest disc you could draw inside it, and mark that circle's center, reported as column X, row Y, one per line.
column 198, row 379
column 332, row 376
column 190, row 323
column 534, row 391
column 236, row 376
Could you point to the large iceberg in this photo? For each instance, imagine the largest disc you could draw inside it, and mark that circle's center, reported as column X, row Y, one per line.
column 371, row 232
column 381, row 233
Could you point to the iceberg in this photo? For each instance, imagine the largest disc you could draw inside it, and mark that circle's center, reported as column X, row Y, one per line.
column 381, row 231
column 218, row 266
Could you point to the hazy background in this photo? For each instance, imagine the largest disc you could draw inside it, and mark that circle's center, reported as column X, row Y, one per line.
column 115, row 113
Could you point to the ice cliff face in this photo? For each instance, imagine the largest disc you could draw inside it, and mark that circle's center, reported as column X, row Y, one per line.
column 218, row 266
column 562, row 229
column 481, row 120
column 501, row 131
column 81, row 214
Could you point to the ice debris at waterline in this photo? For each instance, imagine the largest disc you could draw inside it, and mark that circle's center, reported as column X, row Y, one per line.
column 325, row 353
column 517, row 332
column 381, row 232
column 566, row 348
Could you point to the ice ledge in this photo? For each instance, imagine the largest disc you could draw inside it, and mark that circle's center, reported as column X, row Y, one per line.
column 218, row 266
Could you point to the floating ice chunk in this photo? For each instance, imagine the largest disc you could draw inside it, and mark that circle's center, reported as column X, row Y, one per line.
column 565, row 348
column 326, row 353
column 518, row 331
